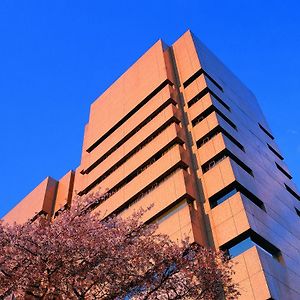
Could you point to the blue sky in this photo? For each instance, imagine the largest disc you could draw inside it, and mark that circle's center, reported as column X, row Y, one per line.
column 57, row 56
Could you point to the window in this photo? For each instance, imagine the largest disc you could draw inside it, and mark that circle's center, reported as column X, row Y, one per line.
column 202, row 116
column 215, row 132
column 207, row 112
column 247, row 240
column 141, row 194
column 233, row 140
column 240, row 247
column 231, row 190
column 292, row 192
column 226, row 119
column 198, row 74
column 283, row 171
column 297, row 211
column 198, row 97
column 266, row 131
column 275, row 152
column 218, row 200
column 169, row 212
column 213, row 162
column 221, row 156
column 135, row 173
column 241, row 164
column 204, row 92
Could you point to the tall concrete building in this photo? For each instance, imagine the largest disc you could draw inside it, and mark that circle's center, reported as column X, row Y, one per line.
column 180, row 131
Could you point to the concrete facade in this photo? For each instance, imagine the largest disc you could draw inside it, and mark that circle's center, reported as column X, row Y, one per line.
column 180, row 131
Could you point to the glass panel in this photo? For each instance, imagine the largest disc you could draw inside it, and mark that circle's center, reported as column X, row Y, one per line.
column 225, row 197
column 241, row 247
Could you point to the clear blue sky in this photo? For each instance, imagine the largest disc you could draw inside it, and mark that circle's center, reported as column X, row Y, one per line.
column 57, row 56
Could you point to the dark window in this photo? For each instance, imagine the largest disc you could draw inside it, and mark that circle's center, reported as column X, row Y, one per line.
column 220, row 156
column 203, row 115
column 218, row 200
column 241, row 164
column 297, row 211
column 283, row 171
column 233, row 140
column 216, row 131
column 219, row 100
column 226, row 119
column 266, row 131
column 192, row 78
column 275, row 152
column 208, row 136
column 232, row 189
column 240, row 247
column 198, row 97
column 247, row 240
column 205, row 91
column 207, row 112
column 198, row 74
column 292, row 192
column 214, row 161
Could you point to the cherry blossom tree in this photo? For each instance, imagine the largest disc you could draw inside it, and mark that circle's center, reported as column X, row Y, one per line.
column 80, row 255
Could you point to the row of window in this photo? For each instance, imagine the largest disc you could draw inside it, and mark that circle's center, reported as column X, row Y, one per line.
column 129, row 156
column 283, row 171
column 235, row 187
column 209, row 110
column 250, row 238
column 290, row 190
column 138, row 171
column 130, row 114
column 136, row 198
column 275, row 152
column 129, row 135
column 213, row 162
column 221, row 156
column 213, row 133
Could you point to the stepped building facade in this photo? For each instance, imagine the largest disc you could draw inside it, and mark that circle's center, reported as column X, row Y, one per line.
column 178, row 130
